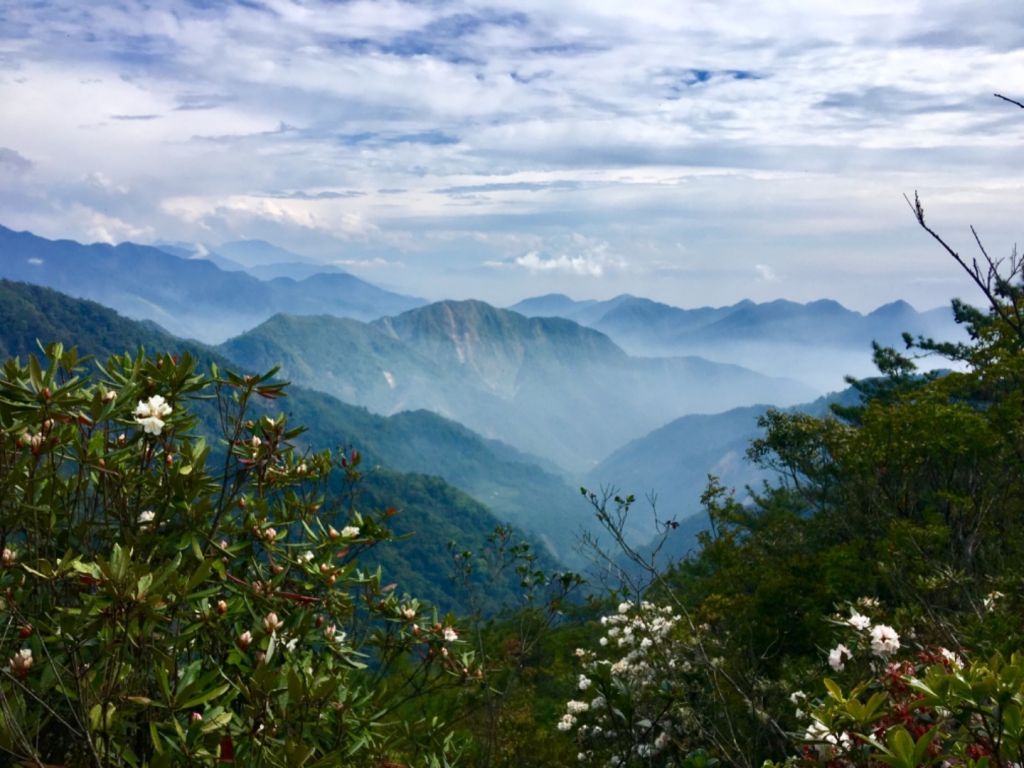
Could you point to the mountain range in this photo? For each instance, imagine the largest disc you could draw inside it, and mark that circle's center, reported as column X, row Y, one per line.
column 512, row 407
column 546, row 386
column 431, row 466
column 818, row 342
column 190, row 297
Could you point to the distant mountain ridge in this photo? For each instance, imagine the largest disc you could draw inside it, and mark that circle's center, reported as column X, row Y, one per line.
column 548, row 386
column 817, row 342
column 664, row 327
column 190, row 297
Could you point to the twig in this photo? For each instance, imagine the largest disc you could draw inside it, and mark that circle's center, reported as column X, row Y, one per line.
column 1012, row 101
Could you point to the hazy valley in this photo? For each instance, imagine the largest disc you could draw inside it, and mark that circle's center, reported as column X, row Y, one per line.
column 516, row 407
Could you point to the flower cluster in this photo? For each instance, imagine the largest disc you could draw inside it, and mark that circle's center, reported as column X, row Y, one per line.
column 933, row 701
column 150, row 414
column 624, row 711
column 882, row 639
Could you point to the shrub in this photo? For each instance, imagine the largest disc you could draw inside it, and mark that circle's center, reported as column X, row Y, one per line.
column 170, row 599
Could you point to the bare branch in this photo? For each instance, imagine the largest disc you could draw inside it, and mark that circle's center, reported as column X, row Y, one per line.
column 989, row 280
column 1012, row 101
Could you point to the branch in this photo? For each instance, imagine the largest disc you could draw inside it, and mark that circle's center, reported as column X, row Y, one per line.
column 1012, row 101
column 984, row 282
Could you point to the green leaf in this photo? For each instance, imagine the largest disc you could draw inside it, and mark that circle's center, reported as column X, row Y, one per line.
column 204, row 697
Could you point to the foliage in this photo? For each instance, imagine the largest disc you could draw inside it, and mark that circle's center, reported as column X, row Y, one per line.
column 165, row 603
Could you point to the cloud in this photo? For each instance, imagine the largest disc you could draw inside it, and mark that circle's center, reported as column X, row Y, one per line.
column 462, row 132
column 374, row 263
column 766, row 273
column 583, row 256
column 13, row 162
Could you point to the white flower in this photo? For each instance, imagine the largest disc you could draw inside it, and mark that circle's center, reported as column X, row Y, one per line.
column 858, row 620
column 884, row 640
column 598, row 702
column 624, row 607
column 991, row 599
column 566, row 723
column 584, row 682
column 818, row 732
column 306, row 556
column 349, row 532
column 576, row 707
column 292, row 644
column 146, row 517
column 954, row 661
column 838, row 657
column 450, row 635
column 150, row 414
column 603, row 641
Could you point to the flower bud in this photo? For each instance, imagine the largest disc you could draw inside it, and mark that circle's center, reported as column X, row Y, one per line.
column 222, row 607
column 245, row 640
column 21, row 662
column 271, row 623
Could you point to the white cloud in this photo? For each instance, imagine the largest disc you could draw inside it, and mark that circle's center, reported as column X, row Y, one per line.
column 581, row 256
column 375, row 263
column 766, row 273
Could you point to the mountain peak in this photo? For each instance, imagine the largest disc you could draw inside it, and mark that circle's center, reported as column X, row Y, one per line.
column 893, row 309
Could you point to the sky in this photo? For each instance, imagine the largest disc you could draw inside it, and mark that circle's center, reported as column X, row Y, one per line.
column 692, row 151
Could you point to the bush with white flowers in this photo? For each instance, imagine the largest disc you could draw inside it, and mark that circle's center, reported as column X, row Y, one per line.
column 165, row 602
column 630, row 706
column 891, row 704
